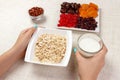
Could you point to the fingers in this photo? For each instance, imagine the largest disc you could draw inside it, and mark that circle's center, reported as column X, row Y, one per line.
column 24, row 31
column 79, row 57
column 103, row 52
column 30, row 31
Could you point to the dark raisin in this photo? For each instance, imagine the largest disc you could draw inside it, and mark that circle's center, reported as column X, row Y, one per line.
column 86, row 23
column 70, row 8
column 63, row 11
column 71, row 11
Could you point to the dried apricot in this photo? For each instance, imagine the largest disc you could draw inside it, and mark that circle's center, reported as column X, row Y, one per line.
column 91, row 9
column 83, row 14
column 93, row 5
column 88, row 10
column 85, row 6
column 92, row 14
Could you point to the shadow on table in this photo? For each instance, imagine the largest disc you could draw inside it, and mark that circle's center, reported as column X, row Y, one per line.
column 59, row 73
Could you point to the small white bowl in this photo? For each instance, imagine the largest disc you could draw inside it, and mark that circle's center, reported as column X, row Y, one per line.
column 30, row 57
column 37, row 18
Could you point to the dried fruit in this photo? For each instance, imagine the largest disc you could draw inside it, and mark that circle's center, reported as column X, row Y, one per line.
column 72, row 8
column 86, row 23
column 68, row 20
column 92, row 13
column 74, row 15
column 85, row 6
column 88, row 10
column 93, row 5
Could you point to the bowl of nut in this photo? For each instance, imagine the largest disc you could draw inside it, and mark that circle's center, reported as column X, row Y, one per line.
column 50, row 47
column 36, row 13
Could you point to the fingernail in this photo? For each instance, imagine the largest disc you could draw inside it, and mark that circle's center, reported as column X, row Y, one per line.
column 74, row 50
column 35, row 26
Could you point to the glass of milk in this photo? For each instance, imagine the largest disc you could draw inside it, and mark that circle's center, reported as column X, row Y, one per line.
column 89, row 44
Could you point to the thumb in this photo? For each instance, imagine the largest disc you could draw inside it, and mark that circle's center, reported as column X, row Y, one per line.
column 30, row 31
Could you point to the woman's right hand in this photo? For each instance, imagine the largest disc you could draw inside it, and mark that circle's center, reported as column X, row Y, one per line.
column 23, row 40
column 89, row 68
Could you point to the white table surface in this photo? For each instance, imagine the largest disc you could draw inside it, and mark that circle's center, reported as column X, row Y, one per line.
column 14, row 18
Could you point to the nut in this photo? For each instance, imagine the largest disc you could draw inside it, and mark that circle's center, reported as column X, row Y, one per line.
column 36, row 11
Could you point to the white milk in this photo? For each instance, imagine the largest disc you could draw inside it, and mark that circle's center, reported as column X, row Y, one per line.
column 89, row 45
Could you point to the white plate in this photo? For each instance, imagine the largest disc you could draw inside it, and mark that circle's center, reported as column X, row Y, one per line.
column 97, row 30
column 30, row 57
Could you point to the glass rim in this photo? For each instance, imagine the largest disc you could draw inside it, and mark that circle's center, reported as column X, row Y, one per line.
column 101, row 44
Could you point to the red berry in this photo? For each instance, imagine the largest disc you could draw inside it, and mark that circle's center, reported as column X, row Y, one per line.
column 68, row 20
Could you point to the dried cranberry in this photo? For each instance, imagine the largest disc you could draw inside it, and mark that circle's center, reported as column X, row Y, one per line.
column 68, row 20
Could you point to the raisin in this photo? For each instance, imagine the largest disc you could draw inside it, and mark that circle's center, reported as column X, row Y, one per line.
column 86, row 23
column 72, row 8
